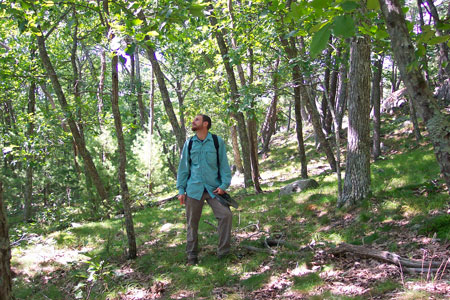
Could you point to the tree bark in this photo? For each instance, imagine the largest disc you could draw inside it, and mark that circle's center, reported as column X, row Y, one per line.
column 70, row 120
column 239, row 116
column 27, row 209
column 132, row 250
column 357, row 171
column 375, row 97
column 436, row 122
column 5, row 253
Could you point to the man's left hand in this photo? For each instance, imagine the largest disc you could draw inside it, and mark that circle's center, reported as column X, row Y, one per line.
column 219, row 191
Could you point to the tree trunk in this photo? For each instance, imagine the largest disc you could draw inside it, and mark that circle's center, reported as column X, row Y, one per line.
column 437, row 123
column 236, row 152
column 444, row 66
column 150, row 126
column 70, row 120
column 132, row 250
column 180, row 135
column 415, row 122
column 239, row 116
column 27, row 209
column 342, row 90
column 291, row 52
column 251, row 117
column 376, row 101
column 5, row 253
column 268, row 127
column 357, row 171
column 141, row 106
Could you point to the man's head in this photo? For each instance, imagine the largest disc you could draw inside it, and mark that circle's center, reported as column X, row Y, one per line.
column 201, row 122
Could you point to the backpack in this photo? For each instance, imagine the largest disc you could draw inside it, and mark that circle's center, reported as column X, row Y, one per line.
column 216, row 145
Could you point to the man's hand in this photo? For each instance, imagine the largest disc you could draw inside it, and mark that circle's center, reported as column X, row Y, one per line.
column 182, row 199
column 219, row 191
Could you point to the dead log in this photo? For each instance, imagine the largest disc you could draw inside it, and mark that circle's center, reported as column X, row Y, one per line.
column 408, row 265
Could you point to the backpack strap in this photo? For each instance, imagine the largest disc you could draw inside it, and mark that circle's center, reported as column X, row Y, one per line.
column 216, row 145
column 189, row 154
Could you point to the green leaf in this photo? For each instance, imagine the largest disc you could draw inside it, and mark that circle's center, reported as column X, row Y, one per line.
column 136, row 22
column 197, row 10
column 320, row 4
column 130, row 49
column 320, row 40
column 349, row 5
column 373, row 4
column 344, row 26
column 153, row 33
column 438, row 40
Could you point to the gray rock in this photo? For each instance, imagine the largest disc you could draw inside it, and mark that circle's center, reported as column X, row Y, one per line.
column 298, row 186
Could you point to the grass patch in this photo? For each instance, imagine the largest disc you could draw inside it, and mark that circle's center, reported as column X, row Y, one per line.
column 307, row 282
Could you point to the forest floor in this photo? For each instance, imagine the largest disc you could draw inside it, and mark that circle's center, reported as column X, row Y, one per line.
column 283, row 247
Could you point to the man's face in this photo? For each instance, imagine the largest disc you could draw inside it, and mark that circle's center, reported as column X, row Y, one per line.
column 197, row 123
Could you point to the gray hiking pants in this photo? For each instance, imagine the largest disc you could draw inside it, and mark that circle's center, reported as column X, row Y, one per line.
column 193, row 213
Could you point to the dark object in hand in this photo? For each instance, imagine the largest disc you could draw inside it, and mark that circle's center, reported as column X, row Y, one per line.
column 226, row 200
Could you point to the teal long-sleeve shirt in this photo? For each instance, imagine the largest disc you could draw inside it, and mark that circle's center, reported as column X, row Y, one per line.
column 203, row 167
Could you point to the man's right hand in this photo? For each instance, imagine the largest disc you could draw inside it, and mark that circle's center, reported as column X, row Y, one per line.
column 182, row 199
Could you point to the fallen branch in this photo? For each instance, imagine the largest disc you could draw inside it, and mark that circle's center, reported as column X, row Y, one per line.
column 408, row 265
column 209, row 223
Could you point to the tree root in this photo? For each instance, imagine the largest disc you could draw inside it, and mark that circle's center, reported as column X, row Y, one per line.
column 407, row 265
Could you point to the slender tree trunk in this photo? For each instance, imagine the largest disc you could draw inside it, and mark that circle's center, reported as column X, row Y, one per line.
column 132, row 250
column 424, row 58
column 134, row 107
column 239, row 116
column 376, row 101
column 298, row 121
column 180, row 135
column 5, row 253
column 415, row 122
column 151, row 120
column 437, row 123
column 291, row 52
column 27, row 211
column 70, row 120
column 342, row 90
column 268, row 127
column 251, row 117
column 141, row 106
column 236, row 152
column 357, row 171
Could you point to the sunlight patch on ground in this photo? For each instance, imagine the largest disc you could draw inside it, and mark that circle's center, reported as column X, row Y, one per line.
column 45, row 257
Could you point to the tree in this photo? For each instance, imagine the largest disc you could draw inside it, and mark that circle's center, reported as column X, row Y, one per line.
column 437, row 123
column 375, row 99
column 5, row 253
column 357, row 170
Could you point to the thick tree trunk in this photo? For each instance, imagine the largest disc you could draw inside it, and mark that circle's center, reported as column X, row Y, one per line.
column 239, row 116
column 5, row 253
column 236, row 152
column 27, row 209
column 376, row 101
column 70, row 120
column 141, row 106
column 437, row 123
column 132, row 250
column 357, row 171
column 180, row 135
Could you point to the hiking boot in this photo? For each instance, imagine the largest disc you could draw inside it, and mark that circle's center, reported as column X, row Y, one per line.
column 192, row 261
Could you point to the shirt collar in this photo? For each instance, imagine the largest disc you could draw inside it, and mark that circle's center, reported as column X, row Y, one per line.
column 208, row 137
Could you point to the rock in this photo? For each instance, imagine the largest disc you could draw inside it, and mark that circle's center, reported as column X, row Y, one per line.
column 166, row 227
column 298, row 186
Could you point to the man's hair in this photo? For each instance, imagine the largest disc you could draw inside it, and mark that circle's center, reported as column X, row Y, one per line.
column 207, row 119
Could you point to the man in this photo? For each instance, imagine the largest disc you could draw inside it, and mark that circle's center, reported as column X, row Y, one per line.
column 201, row 177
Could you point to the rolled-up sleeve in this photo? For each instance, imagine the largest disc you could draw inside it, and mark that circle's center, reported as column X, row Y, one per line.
column 183, row 170
column 225, row 171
